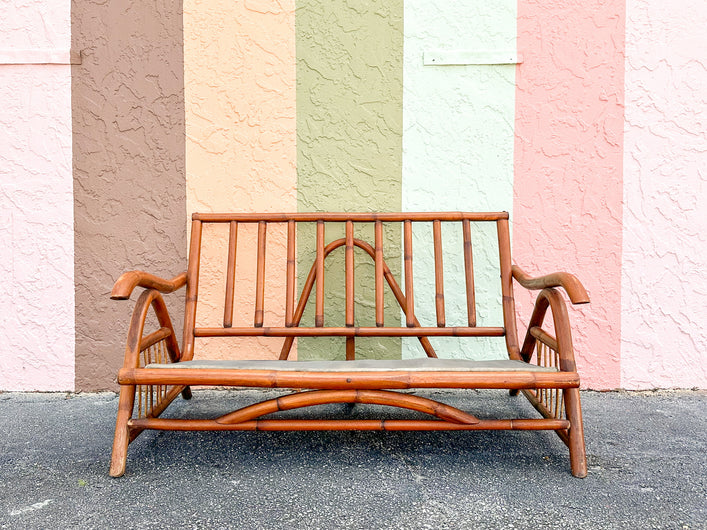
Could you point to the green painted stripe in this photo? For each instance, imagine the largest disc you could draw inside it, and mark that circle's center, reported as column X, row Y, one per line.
column 349, row 145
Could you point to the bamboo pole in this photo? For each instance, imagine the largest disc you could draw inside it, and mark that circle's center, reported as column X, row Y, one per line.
column 409, row 294
column 290, row 289
column 260, row 276
column 230, row 274
column 371, row 397
column 439, row 273
column 342, row 217
column 341, row 380
column 509, row 308
column 348, row 425
column 378, row 258
column 469, row 273
column 356, row 331
column 349, row 269
column 319, row 303
column 192, row 294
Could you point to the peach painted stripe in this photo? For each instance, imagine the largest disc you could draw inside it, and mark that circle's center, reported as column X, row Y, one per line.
column 568, row 164
column 239, row 62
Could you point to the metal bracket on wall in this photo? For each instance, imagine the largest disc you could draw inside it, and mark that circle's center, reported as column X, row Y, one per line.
column 470, row 57
column 39, row 56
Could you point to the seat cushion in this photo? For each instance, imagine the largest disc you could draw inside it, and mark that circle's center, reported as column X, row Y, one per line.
column 403, row 365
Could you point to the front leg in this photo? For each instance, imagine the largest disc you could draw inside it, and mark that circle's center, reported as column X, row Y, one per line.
column 158, row 347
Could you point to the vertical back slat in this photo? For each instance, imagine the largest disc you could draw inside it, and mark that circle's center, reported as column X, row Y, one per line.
column 290, row 288
column 469, row 273
column 509, row 310
column 192, row 290
column 350, row 348
column 230, row 274
column 439, row 272
column 319, row 305
column 260, row 276
column 380, row 308
column 409, row 295
column 349, row 269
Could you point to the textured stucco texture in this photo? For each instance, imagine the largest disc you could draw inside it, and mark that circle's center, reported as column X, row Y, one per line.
column 568, row 161
column 239, row 74
column 349, row 145
column 664, row 280
column 458, row 155
column 128, row 156
column 36, row 204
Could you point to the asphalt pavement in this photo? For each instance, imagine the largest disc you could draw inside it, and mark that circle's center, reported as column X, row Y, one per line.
column 647, row 468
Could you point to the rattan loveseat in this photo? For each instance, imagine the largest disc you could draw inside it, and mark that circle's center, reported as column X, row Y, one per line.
column 157, row 368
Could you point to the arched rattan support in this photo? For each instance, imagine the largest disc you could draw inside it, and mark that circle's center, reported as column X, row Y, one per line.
column 574, row 436
column 551, row 298
column 370, row 397
column 135, row 344
column 387, row 274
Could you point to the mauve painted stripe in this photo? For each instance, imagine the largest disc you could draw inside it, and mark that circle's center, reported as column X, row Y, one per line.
column 568, row 165
column 127, row 100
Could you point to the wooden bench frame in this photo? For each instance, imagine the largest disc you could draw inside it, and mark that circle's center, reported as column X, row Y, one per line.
column 147, row 391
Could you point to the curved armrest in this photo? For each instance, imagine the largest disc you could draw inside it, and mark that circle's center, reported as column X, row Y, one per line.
column 569, row 282
column 129, row 280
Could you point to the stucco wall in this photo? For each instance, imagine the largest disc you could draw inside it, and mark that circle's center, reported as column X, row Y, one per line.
column 349, row 139
column 458, row 155
column 36, row 217
column 128, row 158
column 664, row 274
column 568, row 165
column 239, row 74
column 597, row 136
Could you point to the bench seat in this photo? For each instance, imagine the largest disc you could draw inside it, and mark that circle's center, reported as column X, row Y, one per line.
column 366, row 365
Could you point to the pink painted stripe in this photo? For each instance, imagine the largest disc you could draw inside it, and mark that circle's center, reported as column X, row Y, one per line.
column 665, row 226
column 568, row 165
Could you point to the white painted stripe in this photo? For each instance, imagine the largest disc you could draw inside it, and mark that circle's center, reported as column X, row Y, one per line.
column 458, row 155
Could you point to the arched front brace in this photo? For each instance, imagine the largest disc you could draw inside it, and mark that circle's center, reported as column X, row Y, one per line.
column 370, row 397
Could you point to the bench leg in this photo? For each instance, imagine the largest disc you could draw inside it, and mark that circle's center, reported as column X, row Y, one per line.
column 122, row 433
column 578, row 456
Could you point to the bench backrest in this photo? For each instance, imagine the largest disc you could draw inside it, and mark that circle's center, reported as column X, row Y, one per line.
column 369, row 249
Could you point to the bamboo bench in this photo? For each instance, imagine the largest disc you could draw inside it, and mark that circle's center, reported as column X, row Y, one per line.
column 157, row 370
